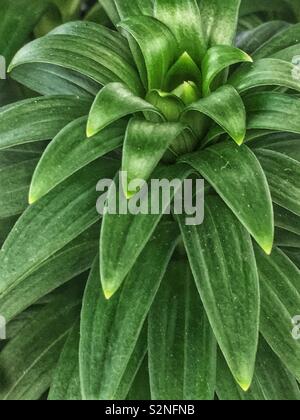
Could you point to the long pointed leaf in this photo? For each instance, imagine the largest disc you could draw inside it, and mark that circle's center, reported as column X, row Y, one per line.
column 155, row 138
column 223, row 264
column 184, row 20
column 76, row 151
column 112, row 103
column 182, row 347
column 283, row 175
column 110, row 329
column 123, row 236
column 157, row 45
column 235, row 173
column 53, row 222
column 226, row 108
column 38, row 118
column 280, row 294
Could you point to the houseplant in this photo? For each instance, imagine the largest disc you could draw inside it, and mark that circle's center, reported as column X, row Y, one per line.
column 174, row 311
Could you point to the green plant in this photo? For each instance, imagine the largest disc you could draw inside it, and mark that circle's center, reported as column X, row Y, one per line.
column 193, row 311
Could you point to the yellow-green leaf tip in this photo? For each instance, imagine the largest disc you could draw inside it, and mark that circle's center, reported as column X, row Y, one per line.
column 90, row 131
column 245, row 386
column 108, row 293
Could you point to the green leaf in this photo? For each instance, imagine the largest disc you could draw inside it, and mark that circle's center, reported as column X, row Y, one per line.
column 71, row 261
column 14, row 186
column 112, row 103
column 110, row 329
column 130, row 8
column 182, row 347
column 93, row 56
column 283, row 175
column 5, row 227
column 251, row 40
column 156, row 138
column 184, row 70
column 273, row 111
column 272, row 381
column 38, row 118
column 157, row 44
column 53, row 222
column 217, row 59
column 72, row 147
column 265, row 72
column 110, row 8
column 228, row 284
column 17, row 23
column 286, row 220
column 48, row 79
column 104, row 37
column 236, row 175
column 140, row 389
column 133, row 366
column 28, row 361
column 219, row 20
column 281, row 41
column 284, row 238
column 226, row 108
column 66, row 382
column 280, row 294
column 184, row 19
column 123, row 236
column 169, row 104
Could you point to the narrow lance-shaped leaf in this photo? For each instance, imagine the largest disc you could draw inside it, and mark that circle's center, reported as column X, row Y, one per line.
column 286, row 220
column 110, row 8
column 130, row 8
column 251, row 40
column 157, row 44
column 123, row 236
column 219, row 20
column 14, row 186
column 223, row 264
column 112, row 103
column 272, row 381
column 73, row 148
column 66, row 381
column 217, row 59
column 38, row 118
column 284, row 39
column 183, row 70
column 155, row 139
column 265, row 72
column 73, row 260
column 280, row 294
column 17, row 23
column 226, row 108
column 48, row 79
column 283, row 175
column 53, row 222
column 273, row 111
column 88, row 56
column 178, row 326
column 110, row 329
column 236, row 174
column 184, row 19
column 39, row 343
